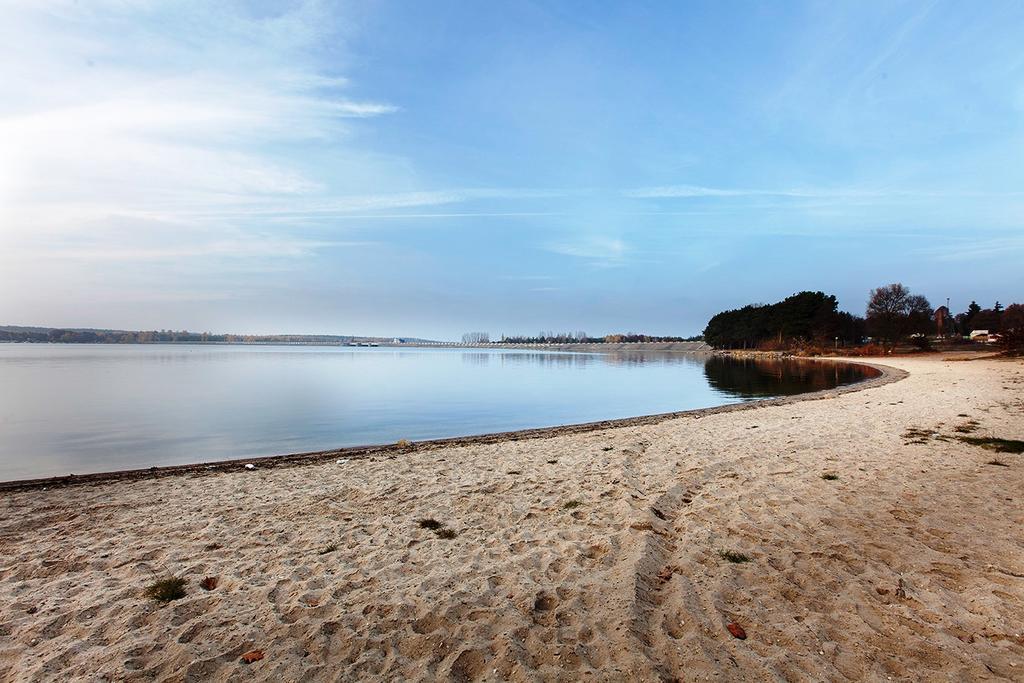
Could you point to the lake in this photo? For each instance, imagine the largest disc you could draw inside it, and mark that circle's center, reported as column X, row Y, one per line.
column 81, row 408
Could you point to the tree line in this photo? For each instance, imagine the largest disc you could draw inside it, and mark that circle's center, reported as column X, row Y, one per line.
column 893, row 314
column 805, row 316
column 584, row 338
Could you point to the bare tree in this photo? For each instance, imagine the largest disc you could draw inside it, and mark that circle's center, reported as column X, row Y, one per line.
column 893, row 313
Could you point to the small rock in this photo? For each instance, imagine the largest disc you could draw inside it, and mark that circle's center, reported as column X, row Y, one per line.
column 252, row 656
column 737, row 631
column 250, row 466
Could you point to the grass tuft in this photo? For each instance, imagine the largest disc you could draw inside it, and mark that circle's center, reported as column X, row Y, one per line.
column 966, row 427
column 733, row 556
column 439, row 528
column 165, row 590
column 917, row 435
column 403, row 443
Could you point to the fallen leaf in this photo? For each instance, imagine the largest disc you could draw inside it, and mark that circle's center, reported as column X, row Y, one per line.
column 737, row 631
column 252, row 656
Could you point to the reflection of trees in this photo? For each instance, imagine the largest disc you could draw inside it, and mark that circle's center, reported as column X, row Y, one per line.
column 548, row 358
column 627, row 358
column 657, row 357
column 762, row 377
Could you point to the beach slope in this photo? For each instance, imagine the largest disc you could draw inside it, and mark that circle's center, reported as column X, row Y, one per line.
column 856, row 537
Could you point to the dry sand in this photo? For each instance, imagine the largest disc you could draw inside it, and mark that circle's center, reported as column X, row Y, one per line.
column 908, row 566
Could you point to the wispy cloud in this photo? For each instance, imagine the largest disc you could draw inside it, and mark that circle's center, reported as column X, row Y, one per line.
column 688, row 191
column 597, row 250
column 121, row 112
column 528, row 278
column 973, row 249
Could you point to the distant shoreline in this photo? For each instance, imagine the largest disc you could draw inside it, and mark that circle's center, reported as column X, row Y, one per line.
column 683, row 347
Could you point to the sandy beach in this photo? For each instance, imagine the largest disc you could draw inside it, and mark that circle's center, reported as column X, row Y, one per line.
column 617, row 554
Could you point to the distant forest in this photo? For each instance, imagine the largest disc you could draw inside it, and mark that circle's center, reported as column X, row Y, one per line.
column 91, row 336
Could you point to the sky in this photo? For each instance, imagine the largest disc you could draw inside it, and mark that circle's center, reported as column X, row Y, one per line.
column 431, row 168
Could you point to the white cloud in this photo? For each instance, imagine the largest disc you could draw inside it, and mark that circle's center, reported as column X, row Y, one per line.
column 148, row 149
column 118, row 111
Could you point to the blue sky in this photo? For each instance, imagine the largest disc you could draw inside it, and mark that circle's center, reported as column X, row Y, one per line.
column 430, row 168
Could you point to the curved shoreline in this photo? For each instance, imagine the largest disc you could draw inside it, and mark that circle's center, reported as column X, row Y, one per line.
column 888, row 375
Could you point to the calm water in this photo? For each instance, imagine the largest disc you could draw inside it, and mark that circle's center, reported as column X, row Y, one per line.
column 91, row 408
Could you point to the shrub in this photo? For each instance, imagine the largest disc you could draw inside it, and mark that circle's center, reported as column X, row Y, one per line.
column 165, row 590
column 733, row 556
column 1012, row 341
column 921, row 343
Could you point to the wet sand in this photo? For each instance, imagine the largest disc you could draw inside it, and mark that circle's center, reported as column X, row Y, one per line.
column 598, row 554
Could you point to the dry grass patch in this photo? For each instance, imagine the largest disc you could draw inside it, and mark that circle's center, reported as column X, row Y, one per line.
column 967, row 427
column 995, row 444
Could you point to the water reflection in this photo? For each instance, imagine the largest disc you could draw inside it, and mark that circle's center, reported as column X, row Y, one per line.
column 636, row 358
column 764, row 377
column 548, row 359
